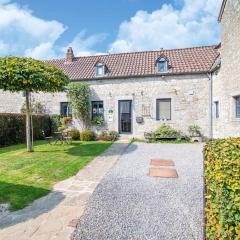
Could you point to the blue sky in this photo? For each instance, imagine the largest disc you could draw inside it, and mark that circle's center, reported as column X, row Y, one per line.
column 44, row 29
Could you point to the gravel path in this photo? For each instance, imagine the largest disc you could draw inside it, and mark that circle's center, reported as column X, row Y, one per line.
column 129, row 204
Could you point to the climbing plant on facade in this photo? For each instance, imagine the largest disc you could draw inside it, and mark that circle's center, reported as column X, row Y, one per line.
column 78, row 94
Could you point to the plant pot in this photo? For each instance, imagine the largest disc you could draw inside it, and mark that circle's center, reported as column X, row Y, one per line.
column 196, row 134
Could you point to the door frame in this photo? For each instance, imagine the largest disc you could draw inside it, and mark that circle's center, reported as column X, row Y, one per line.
column 119, row 120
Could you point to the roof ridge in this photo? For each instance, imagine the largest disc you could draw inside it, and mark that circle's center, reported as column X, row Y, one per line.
column 136, row 52
column 149, row 51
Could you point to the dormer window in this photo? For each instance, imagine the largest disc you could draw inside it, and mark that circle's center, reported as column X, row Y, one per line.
column 162, row 65
column 100, row 69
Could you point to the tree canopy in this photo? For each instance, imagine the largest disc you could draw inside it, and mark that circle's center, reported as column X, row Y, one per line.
column 30, row 75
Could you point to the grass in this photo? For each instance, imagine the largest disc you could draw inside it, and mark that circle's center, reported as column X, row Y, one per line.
column 25, row 176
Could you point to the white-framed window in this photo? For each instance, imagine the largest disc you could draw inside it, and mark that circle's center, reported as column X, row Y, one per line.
column 162, row 65
column 216, row 109
column 65, row 109
column 100, row 69
column 163, row 109
column 237, row 106
column 97, row 109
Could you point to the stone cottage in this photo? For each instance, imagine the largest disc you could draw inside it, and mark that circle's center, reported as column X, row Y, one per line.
column 136, row 92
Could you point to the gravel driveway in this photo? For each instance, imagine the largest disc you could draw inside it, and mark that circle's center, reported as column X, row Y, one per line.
column 129, row 204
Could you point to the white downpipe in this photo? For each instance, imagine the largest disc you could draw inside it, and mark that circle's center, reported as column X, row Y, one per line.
column 210, row 117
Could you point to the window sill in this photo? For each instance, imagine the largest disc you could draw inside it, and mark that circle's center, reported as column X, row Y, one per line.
column 235, row 120
column 163, row 120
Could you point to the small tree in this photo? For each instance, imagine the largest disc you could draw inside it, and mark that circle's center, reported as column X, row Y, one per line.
column 30, row 75
column 79, row 93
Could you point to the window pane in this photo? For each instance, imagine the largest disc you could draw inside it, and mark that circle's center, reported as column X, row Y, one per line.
column 237, row 102
column 162, row 65
column 100, row 70
column 65, row 109
column 164, row 109
column 97, row 109
column 216, row 105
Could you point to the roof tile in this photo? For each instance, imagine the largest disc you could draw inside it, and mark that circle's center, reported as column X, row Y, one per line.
column 185, row 60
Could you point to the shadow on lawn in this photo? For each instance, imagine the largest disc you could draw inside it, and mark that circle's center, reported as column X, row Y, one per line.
column 21, row 146
column 20, row 196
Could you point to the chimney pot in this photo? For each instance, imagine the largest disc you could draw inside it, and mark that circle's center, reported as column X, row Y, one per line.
column 69, row 55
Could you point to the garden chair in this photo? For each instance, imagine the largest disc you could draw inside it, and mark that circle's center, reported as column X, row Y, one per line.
column 67, row 138
column 49, row 139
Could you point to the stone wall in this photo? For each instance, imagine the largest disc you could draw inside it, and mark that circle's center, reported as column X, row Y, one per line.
column 13, row 102
column 227, row 84
column 189, row 94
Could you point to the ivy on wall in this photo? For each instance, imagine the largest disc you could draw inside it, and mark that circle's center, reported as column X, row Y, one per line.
column 78, row 94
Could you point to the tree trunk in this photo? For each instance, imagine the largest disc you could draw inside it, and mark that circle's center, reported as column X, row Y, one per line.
column 28, row 125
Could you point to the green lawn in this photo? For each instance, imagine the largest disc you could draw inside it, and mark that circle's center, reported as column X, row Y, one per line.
column 25, row 176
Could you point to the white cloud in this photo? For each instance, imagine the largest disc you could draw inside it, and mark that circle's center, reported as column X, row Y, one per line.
column 195, row 24
column 23, row 34
column 82, row 45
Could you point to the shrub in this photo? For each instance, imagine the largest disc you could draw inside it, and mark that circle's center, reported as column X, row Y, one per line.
column 55, row 122
column 13, row 128
column 108, row 136
column 66, row 121
column 165, row 131
column 61, row 128
column 113, row 135
column 87, row 135
column 222, row 174
column 74, row 133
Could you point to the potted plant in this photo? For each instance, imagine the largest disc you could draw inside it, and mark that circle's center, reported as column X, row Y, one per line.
column 195, row 134
column 194, row 131
column 97, row 121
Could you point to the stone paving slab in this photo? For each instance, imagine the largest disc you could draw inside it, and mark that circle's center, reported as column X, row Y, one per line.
column 48, row 218
column 160, row 162
column 163, row 173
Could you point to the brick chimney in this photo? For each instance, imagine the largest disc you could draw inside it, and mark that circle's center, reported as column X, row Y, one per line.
column 69, row 55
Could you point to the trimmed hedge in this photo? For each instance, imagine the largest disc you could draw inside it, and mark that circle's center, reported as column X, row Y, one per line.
column 222, row 174
column 13, row 128
column 108, row 136
column 87, row 135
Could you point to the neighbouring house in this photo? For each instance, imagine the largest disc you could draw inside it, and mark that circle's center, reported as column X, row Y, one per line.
column 136, row 92
column 226, row 75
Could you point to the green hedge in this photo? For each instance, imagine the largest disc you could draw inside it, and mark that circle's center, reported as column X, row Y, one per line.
column 13, row 130
column 87, row 135
column 222, row 174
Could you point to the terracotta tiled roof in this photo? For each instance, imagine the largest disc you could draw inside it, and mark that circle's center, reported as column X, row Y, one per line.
column 187, row 60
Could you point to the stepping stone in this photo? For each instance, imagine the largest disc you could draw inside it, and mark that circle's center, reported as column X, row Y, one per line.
column 163, row 173
column 73, row 223
column 159, row 162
